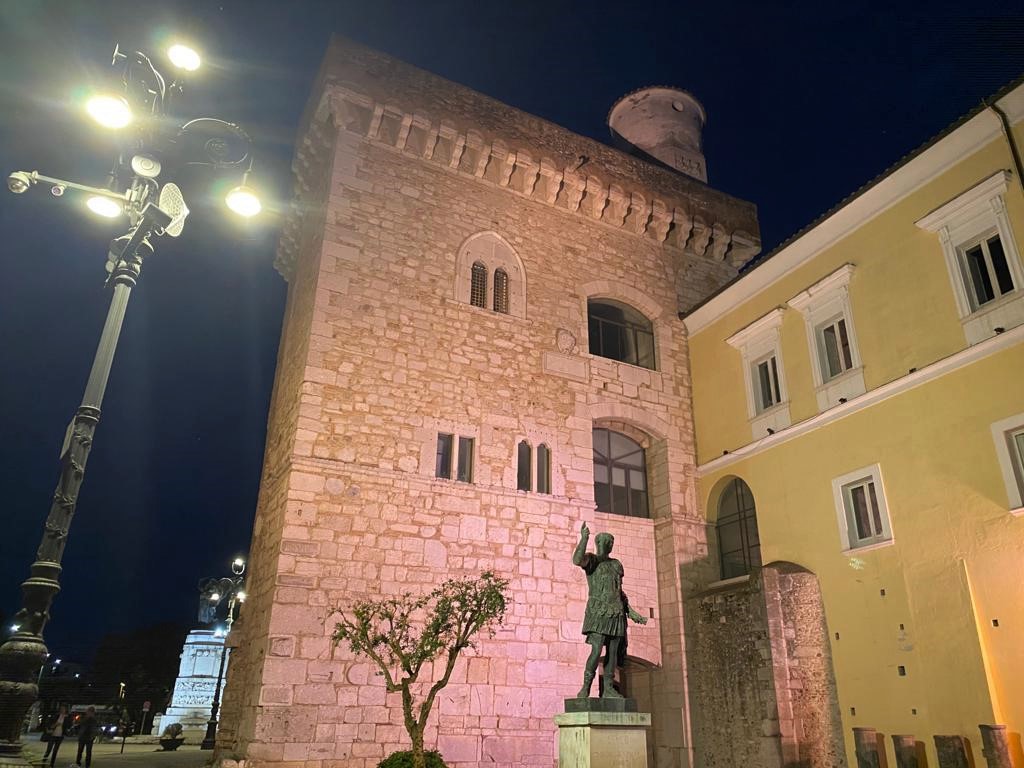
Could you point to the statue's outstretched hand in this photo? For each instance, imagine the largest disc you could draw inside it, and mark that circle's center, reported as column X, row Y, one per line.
column 584, row 531
column 637, row 617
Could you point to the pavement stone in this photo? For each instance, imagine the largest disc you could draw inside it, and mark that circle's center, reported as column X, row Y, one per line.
column 108, row 755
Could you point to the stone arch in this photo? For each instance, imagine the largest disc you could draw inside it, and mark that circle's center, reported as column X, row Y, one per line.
column 495, row 252
column 607, row 289
column 654, row 426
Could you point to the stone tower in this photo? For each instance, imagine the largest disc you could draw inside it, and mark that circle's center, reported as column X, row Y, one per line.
column 482, row 319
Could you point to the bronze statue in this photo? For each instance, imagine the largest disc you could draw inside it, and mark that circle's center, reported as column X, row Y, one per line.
column 604, row 623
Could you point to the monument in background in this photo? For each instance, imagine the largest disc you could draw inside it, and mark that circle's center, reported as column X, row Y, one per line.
column 194, row 689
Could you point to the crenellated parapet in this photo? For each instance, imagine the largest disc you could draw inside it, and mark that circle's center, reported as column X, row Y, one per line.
column 396, row 106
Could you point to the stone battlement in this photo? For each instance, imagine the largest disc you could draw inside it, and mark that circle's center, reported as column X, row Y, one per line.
column 394, row 104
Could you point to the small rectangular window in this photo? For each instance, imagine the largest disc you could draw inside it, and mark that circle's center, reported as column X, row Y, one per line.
column 465, row 466
column 523, row 456
column 987, row 270
column 443, row 467
column 837, row 356
column 864, row 515
column 768, row 383
column 1016, row 440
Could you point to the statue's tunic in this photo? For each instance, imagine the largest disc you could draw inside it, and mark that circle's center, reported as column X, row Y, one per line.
column 606, row 610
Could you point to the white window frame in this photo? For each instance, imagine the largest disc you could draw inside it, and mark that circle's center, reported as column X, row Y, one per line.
column 841, row 495
column 977, row 214
column 1011, row 462
column 824, row 304
column 757, row 342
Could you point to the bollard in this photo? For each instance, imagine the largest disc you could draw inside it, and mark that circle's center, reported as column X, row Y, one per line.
column 906, row 751
column 952, row 752
column 995, row 746
column 865, row 742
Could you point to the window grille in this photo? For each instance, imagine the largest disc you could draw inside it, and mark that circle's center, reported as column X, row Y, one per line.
column 501, row 291
column 478, row 287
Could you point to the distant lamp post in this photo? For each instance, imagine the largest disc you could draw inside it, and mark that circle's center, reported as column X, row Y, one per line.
column 151, row 139
column 212, row 593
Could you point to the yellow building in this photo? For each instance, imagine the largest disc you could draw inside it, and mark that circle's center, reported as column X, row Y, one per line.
column 861, row 392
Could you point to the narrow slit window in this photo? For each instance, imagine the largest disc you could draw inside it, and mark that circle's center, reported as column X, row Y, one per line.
column 543, row 469
column 501, row 291
column 523, row 457
column 478, row 287
column 464, row 472
column 443, row 466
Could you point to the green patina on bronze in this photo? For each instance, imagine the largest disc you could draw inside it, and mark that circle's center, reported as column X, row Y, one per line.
column 604, row 623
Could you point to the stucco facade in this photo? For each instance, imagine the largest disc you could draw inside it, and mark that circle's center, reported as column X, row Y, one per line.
column 405, row 182
column 925, row 602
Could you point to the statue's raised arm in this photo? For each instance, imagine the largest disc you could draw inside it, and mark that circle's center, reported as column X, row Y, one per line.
column 581, row 548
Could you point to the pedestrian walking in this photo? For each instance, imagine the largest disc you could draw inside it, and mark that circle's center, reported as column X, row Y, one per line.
column 88, row 728
column 56, row 729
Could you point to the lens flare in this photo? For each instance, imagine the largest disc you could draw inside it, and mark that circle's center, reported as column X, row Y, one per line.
column 243, row 201
column 183, row 57
column 106, row 207
column 109, row 111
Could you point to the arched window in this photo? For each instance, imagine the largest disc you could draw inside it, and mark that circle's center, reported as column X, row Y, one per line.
column 620, row 474
column 478, row 285
column 543, row 469
column 739, row 548
column 523, row 466
column 619, row 332
column 501, row 291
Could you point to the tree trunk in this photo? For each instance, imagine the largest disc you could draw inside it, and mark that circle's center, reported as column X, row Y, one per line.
column 418, row 758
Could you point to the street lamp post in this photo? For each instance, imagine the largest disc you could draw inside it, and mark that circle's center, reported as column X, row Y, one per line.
column 152, row 210
column 213, row 592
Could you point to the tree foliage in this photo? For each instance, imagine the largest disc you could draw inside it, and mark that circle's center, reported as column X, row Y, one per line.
column 403, row 635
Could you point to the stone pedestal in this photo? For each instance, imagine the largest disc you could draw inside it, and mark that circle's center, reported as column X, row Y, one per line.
column 602, row 733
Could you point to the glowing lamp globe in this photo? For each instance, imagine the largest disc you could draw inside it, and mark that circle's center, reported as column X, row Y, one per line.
column 109, row 111
column 243, row 201
column 104, row 206
column 183, row 57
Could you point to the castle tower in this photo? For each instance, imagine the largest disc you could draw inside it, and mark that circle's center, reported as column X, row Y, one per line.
column 663, row 123
column 481, row 349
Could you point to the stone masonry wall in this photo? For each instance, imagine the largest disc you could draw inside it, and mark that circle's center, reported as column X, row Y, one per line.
column 378, row 356
column 762, row 686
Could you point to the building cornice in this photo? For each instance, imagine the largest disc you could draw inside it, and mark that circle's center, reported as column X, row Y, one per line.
column 873, row 397
column 840, row 278
column 980, row 193
column 769, row 322
column 948, row 151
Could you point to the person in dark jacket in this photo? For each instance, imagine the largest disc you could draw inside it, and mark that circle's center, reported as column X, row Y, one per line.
column 56, row 729
column 88, row 730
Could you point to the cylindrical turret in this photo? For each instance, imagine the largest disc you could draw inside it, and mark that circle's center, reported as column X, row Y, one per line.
column 664, row 123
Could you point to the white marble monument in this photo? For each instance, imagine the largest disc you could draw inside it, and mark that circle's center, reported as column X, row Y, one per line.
column 196, row 683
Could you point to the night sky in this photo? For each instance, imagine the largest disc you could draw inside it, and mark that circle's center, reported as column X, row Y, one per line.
column 804, row 106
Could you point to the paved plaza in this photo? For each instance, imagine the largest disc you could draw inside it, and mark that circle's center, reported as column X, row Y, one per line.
column 108, row 755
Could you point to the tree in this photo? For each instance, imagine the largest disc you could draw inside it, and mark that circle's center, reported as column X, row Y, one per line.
column 403, row 635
